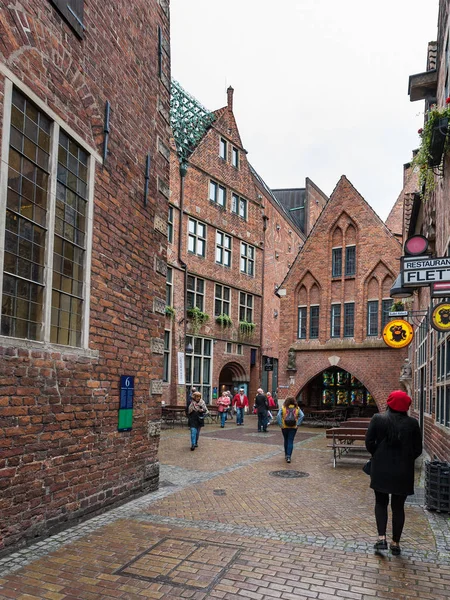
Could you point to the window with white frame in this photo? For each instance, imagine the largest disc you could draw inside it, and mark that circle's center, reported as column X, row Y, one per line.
column 222, row 300
column 247, row 259
column 223, row 148
column 170, row 225
column 217, row 194
column 314, row 313
column 166, row 370
column 169, row 287
column 349, row 319
column 372, row 318
column 223, row 249
column 198, row 365
column 421, row 359
column 197, row 237
column 335, row 320
column 229, row 348
column 336, row 262
column 350, row 261
column 239, row 349
column 195, row 292
column 235, row 158
column 47, row 211
column 245, row 307
column 301, row 331
column 239, row 206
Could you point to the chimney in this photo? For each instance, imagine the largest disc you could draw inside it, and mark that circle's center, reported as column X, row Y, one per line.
column 230, row 98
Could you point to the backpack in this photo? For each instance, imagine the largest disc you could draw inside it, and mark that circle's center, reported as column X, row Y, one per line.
column 290, row 418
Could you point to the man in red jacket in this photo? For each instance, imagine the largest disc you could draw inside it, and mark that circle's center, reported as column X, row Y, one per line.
column 240, row 401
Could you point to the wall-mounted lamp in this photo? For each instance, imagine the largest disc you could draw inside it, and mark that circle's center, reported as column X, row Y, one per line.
column 278, row 227
column 189, row 347
column 398, row 291
column 275, row 314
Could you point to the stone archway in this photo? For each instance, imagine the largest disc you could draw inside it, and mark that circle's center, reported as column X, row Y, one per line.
column 335, row 387
column 232, row 375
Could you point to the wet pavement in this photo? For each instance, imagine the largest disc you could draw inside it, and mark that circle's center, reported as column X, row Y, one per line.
column 233, row 520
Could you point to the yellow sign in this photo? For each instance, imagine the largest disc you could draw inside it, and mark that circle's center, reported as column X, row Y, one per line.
column 398, row 333
column 440, row 317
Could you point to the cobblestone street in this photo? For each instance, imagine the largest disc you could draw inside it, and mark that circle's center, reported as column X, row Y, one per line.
column 223, row 525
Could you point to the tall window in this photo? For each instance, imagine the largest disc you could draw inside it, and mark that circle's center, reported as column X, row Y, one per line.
column 350, row 261
column 349, row 319
column 239, row 206
column 32, row 277
column 198, row 366
column 385, row 309
column 335, row 320
column 247, row 259
column 72, row 11
column 223, row 249
column 195, row 292
column 170, row 225
column 314, row 322
column 235, row 158
column 217, row 194
column 336, row 262
column 197, row 237
column 245, row 307
column 372, row 317
column 169, row 287
column 166, row 370
column 301, row 323
column 222, row 300
column 223, row 149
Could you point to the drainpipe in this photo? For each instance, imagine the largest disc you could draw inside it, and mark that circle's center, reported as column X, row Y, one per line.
column 265, row 219
column 183, row 171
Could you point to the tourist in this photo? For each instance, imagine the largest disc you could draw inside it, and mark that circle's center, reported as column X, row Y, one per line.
column 223, row 404
column 240, row 403
column 196, row 417
column 261, row 406
column 290, row 417
column 272, row 405
column 394, row 440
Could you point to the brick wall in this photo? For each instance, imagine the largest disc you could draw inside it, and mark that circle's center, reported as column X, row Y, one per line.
column 62, row 457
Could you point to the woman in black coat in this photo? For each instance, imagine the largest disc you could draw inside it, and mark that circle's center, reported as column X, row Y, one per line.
column 262, row 406
column 394, row 440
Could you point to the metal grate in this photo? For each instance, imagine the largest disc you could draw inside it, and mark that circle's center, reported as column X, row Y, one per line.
column 288, row 474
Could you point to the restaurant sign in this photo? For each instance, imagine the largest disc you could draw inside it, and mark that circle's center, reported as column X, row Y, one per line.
column 398, row 333
column 420, row 271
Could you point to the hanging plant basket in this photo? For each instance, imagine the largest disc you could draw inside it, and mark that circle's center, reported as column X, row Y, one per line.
column 246, row 329
column 170, row 312
column 437, row 143
column 197, row 318
column 224, row 321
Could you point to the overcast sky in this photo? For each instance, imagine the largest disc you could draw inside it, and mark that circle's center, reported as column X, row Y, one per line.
column 321, row 86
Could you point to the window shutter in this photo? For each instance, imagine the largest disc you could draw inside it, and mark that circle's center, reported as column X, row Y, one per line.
column 72, row 11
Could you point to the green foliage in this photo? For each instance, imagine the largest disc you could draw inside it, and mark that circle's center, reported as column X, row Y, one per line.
column 423, row 159
column 246, row 329
column 224, row 320
column 397, row 306
column 170, row 312
column 197, row 318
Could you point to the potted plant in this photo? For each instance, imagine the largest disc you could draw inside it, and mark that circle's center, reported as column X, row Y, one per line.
column 246, row 329
column 434, row 146
column 170, row 312
column 197, row 318
column 397, row 306
column 224, row 320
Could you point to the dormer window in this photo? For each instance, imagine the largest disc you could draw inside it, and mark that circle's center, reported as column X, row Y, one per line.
column 223, row 149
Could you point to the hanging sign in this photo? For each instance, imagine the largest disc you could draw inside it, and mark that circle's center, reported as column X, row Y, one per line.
column 398, row 333
column 440, row 317
column 423, row 270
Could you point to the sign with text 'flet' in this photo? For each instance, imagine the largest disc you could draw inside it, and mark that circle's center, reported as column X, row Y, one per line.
column 420, row 271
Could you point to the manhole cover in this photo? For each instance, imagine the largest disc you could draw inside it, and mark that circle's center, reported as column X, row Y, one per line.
column 219, row 493
column 289, row 474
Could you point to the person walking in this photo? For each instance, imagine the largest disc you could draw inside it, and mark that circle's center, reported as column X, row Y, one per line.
column 290, row 417
column 196, row 417
column 262, row 406
column 272, row 407
column 240, row 403
column 223, row 404
column 395, row 441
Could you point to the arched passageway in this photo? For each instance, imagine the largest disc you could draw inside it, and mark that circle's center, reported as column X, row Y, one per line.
column 232, row 377
column 337, row 388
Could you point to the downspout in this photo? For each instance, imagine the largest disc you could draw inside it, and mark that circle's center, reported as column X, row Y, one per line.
column 265, row 219
column 183, row 171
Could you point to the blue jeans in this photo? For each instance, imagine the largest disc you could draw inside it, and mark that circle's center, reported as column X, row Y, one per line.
column 289, row 435
column 195, row 432
column 223, row 418
column 239, row 416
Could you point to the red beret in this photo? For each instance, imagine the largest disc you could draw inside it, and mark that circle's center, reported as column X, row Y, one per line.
column 399, row 401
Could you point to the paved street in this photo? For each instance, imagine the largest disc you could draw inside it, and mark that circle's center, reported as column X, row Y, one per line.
column 223, row 525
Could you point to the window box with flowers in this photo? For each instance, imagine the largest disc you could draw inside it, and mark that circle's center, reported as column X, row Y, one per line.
column 433, row 148
column 224, row 321
column 197, row 318
column 246, row 329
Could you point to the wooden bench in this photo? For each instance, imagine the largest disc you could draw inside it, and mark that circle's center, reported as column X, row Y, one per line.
column 346, row 440
column 172, row 414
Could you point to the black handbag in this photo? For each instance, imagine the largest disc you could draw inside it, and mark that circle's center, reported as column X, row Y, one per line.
column 367, row 467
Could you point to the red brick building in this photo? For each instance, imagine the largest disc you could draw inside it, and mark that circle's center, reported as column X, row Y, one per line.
column 233, row 244
column 335, row 301
column 430, row 353
column 84, row 95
